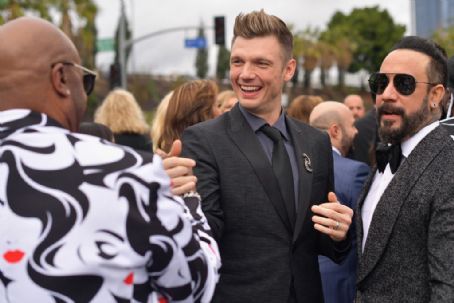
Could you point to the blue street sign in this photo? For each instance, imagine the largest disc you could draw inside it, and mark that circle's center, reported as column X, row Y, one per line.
column 199, row 42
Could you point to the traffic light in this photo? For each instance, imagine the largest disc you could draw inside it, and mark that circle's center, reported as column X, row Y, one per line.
column 219, row 30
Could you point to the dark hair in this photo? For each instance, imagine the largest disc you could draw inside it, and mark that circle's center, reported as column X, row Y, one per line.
column 451, row 72
column 437, row 70
column 97, row 130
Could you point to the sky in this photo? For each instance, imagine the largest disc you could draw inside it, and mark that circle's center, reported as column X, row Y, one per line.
column 166, row 55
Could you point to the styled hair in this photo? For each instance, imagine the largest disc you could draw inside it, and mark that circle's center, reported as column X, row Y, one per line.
column 190, row 103
column 260, row 24
column 437, row 69
column 121, row 113
column 157, row 126
column 301, row 107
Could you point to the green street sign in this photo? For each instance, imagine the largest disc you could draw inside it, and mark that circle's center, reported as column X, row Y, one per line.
column 104, row 45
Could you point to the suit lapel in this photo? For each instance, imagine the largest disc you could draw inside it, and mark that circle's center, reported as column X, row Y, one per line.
column 388, row 208
column 247, row 142
column 301, row 146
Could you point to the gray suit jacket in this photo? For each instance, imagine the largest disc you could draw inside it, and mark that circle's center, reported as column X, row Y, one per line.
column 409, row 252
column 263, row 254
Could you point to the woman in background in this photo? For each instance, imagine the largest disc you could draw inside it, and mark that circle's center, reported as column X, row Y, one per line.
column 122, row 114
column 302, row 106
column 190, row 103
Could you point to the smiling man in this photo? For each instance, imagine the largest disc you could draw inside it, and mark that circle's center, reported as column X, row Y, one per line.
column 406, row 226
column 260, row 172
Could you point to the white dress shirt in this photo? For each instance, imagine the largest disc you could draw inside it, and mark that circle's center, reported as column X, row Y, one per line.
column 381, row 180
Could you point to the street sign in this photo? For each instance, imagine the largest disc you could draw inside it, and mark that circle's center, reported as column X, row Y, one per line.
column 105, row 45
column 198, row 42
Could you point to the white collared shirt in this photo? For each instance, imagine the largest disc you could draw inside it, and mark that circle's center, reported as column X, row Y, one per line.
column 381, row 180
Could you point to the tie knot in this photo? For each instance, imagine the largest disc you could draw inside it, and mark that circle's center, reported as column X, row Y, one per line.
column 271, row 132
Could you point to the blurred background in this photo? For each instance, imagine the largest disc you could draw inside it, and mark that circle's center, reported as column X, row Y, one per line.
column 157, row 45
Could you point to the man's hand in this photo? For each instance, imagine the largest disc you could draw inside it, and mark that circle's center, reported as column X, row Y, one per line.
column 332, row 218
column 179, row 169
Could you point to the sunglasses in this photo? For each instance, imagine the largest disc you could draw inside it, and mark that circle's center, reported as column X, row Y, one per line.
column 88, row 79
column 404, row 84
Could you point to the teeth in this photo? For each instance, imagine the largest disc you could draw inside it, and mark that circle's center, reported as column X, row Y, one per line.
column 250, row 88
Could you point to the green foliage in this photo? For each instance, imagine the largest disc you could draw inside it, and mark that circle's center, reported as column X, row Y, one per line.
column 201, row 60
column 369, row 33
column 223, row 65
column 445, row 38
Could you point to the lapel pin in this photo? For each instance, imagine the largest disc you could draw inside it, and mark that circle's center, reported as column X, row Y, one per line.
column 307, row 162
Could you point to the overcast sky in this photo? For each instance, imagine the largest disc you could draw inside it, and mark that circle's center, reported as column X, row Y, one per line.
column 166, row 54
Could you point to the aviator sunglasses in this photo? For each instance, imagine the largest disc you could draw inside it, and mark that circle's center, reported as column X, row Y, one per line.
column 88, row 79
column 404, row 84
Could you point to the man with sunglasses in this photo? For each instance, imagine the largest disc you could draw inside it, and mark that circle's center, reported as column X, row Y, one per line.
column 405, row 222
column 84, row 220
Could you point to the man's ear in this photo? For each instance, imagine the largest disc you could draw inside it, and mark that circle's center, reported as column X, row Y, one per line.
column 334, row 131
column 289, row 70
column 59, row 80
column 436, row 95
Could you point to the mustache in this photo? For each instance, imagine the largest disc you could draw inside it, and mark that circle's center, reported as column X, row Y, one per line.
column 389, row 109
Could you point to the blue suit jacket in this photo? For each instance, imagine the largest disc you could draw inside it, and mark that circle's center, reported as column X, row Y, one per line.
column 339, row 280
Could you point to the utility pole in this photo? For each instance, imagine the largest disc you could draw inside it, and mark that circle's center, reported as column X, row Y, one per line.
column 122, row 45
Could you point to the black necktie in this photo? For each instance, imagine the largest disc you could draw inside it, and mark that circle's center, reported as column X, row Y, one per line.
column 282, row 169
column 385, row 154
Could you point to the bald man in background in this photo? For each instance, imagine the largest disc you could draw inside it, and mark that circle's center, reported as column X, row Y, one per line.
column 337, row 120
column 356, row 104
column 85, row 220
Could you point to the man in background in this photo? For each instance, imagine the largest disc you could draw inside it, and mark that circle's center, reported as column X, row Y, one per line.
column 84, row 220
column 356, row 105
column 337, row 120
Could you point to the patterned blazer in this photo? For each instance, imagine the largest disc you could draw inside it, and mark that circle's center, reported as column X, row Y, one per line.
column 84, row 220
column 409, row 252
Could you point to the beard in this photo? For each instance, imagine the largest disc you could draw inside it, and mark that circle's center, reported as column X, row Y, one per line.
column 410, row 125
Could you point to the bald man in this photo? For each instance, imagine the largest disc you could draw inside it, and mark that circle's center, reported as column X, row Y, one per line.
column 337, row 120
column 82, row 219
column 356, row 104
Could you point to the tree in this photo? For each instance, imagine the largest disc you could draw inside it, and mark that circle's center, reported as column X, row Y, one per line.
column 306, row 47
column 201, row 60
column 223, row 65
column 343, row 48
column 445, row 38
column 372, row 32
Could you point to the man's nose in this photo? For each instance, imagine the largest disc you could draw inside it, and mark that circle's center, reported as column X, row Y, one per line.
column 247, row 71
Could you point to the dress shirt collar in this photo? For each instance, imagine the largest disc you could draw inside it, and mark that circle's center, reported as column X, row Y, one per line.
column 408, row 145
column 256, row 122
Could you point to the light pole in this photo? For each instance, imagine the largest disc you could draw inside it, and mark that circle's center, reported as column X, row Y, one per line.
column 122, row 45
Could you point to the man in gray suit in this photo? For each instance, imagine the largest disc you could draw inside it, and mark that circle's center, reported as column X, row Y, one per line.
column 406, row 222
column 268, row 246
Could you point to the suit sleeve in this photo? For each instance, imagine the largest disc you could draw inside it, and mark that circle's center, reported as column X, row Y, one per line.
column 441, row 242
column 197, row 148
column 360, row 177
column 336, row 251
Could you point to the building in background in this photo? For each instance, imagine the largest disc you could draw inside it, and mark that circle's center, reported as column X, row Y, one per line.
column 430, row 15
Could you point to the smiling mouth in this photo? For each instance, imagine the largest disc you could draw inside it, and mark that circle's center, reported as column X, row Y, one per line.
column 249, row 88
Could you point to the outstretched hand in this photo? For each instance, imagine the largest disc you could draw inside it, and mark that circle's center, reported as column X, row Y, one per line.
column 332, row 218
column 179, row 169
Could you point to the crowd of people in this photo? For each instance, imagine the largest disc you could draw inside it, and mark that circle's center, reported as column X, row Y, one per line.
column 227, row 196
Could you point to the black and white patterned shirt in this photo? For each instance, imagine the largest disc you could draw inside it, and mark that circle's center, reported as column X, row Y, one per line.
column 84, row 220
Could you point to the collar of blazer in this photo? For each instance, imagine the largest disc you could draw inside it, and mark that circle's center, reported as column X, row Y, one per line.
column 242, row 135
column 388, row 209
